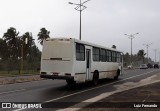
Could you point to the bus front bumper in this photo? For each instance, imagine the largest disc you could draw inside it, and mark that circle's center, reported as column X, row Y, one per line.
column 56, row 77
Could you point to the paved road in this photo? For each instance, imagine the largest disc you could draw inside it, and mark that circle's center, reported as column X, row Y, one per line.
column 57, row 90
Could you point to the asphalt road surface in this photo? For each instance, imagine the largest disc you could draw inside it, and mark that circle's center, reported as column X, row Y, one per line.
column 49, row 91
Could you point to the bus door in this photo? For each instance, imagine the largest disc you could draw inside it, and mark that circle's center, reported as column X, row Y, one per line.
column 88, row 63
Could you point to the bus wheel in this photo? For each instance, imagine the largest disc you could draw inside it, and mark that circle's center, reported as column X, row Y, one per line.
column 117, row 75
column 95, row 78
column 70, row 82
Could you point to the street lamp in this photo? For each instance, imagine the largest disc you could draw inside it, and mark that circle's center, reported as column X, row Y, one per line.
column 147, row 45
column 159, row 58
column 131, row 37
column 22, row 54
column 79, row 7
column 155, row 55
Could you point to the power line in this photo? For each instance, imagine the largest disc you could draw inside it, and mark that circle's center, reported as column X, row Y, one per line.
column 131, row 36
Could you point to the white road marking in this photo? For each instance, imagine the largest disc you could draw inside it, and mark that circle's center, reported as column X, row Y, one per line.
column 90, row 89
column 12, row 91
column 95, row 87
column 107, row 94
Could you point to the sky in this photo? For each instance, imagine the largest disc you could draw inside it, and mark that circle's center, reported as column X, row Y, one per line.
column 104, row 22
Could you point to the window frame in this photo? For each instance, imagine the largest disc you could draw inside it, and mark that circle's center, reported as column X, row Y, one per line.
column 80, row 51
column 114, row 56
column 103, row 57
column 96, row 56
column 108, row 55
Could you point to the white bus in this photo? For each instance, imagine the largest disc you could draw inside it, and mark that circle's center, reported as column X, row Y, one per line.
column 78, row 61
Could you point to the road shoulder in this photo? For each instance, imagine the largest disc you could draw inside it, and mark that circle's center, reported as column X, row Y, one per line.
column 146, row 91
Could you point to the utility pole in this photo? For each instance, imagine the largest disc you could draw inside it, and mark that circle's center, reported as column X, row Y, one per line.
column 22, row 58
column 80, row 7
column 22, row 51
column 131, row 36
column 155, row 55
column 159, row 58
column 147, row 46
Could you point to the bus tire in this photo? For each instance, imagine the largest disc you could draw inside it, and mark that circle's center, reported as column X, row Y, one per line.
column 117, row 75
column 70, row 82
column 95, row 78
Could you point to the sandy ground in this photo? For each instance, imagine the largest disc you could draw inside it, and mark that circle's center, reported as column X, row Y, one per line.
column 145, row 94
column 146, row 90
column 19, row 79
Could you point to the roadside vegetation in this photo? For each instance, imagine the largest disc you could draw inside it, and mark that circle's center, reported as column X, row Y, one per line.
column 19, row 53
column 137, row 59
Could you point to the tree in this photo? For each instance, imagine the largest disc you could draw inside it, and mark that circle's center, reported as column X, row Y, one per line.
column 141, row 54
column 30, row 43
column 126, row 59
column 3, row 49
column 10, row 36
column 11, row 51
column 43, row 35
column 113, row 46
column 12, row 41
column 32, row 55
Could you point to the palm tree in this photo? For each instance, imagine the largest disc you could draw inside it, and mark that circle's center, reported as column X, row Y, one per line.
column 30, row 43
column 11, row 38
column 10, row 35
column 30, row 39
column 43, row 35
column 3, row 49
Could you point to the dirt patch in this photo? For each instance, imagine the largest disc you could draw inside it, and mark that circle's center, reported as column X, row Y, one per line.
column 19, row 79
column 149, row 93
column 144, row 94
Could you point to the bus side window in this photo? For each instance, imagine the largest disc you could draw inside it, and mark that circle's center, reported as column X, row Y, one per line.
column 110, row 56
column 114, row 56
column 80, row 52
column 96, row 54
column 103, row 55
column 118, row 57
column 107, row 56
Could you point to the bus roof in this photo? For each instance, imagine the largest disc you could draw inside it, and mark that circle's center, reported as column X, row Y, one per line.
column 83, row 42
